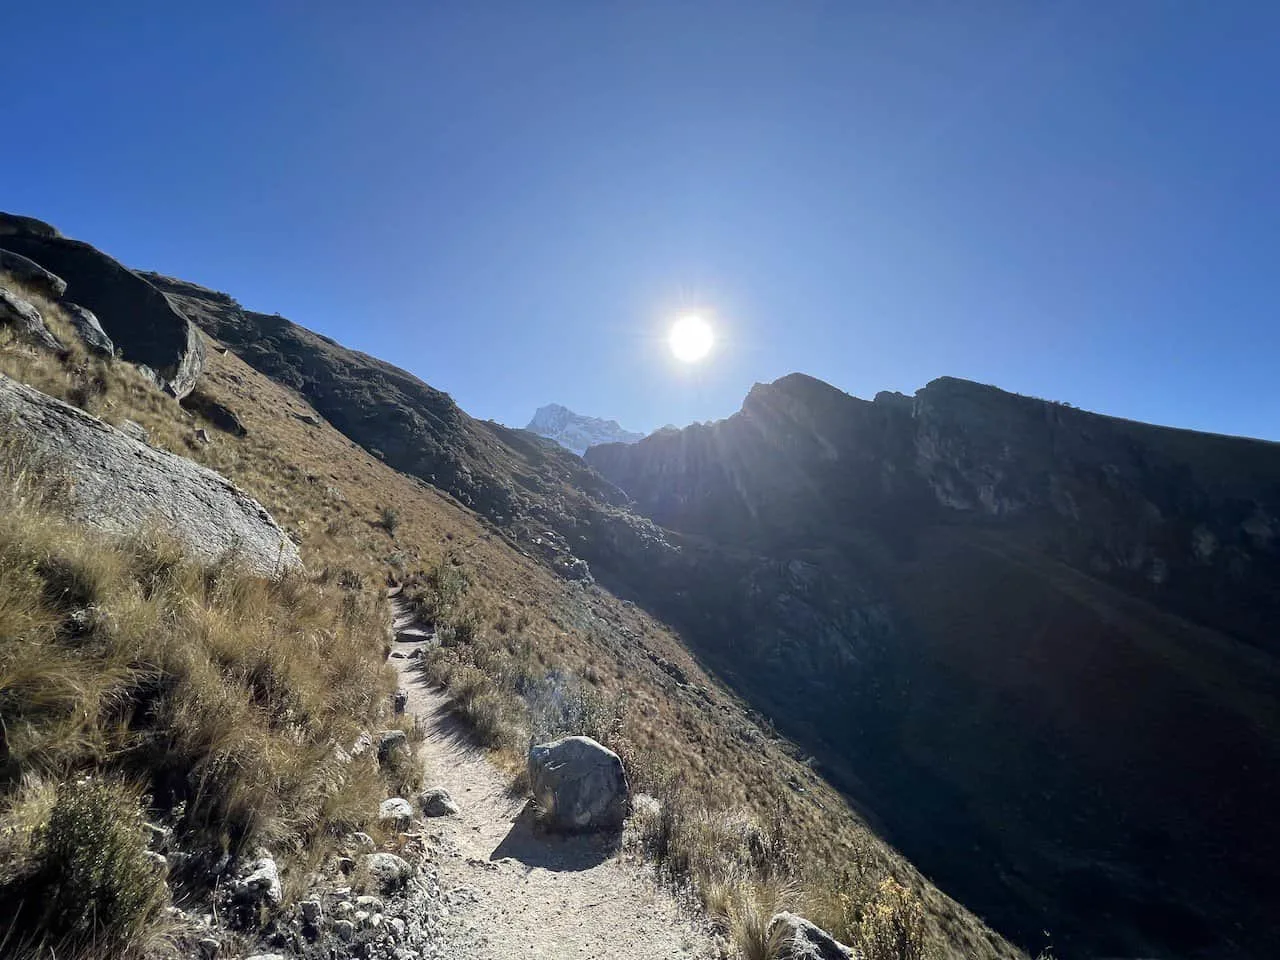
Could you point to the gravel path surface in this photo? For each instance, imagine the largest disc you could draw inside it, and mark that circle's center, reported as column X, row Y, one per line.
column 512, row 890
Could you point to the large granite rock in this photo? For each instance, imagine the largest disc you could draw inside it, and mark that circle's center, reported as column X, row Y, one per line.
column 23, row 317
column 31, row 274
column 136, row 315
column 121, row 485
column 88, row 328
column 579, row 785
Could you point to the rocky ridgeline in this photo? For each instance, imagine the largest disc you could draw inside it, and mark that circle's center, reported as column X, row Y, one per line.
column 984, row 590
column 113, row 306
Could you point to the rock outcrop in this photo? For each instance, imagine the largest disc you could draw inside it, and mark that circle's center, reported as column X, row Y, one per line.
column 135, row 315
column 31, row 274
column 578, row 785
column 124, row 486
column 12, row 224
column 88, row 329
column 26, row 320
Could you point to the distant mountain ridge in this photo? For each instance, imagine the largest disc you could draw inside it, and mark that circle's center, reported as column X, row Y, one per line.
column 576, row 432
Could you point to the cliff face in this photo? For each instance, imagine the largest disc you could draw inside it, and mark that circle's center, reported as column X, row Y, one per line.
column 1036, row 643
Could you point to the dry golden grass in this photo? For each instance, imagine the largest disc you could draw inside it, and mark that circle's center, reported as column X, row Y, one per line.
column 134, row 681
column 518, row 634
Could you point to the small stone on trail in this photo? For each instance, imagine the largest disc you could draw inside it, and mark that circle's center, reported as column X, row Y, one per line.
column 389, row 872
column 437, row 803
column 261, row 882
column 362, row 841
column 396, row 810
column 310, row 910
column 390, row 740
column 344, row 929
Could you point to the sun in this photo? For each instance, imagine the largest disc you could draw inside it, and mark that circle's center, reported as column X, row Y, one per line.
column 691, row 338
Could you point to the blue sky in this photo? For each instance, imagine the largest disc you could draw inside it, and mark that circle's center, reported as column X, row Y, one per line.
column 1077, row 201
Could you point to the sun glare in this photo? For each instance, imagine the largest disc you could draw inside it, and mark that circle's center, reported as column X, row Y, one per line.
column 690, row 339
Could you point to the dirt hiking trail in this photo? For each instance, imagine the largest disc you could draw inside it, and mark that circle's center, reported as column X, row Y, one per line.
column 513, row 890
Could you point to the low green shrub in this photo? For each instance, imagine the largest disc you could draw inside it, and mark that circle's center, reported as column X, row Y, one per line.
column 91, row 887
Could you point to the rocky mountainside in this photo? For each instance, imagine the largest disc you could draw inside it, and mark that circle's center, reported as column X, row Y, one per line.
column 575, row 432
column 1017, row 635
column 1036, row 644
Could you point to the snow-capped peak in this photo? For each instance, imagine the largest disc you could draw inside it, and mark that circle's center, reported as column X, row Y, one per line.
column 576, row 432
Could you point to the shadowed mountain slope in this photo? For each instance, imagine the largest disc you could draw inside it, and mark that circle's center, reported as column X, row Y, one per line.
column 1037, row 644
